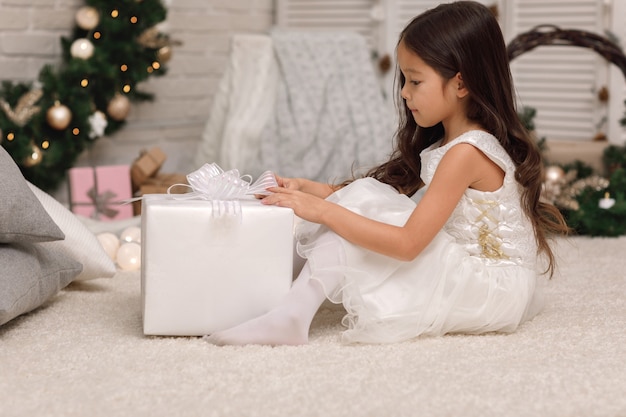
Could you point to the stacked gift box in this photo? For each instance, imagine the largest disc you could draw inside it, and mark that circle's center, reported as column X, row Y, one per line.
column 101, row 192
column 104, row 192
column 146, row 178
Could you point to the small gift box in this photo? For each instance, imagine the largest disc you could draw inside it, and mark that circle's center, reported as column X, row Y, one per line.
column 99, row 192
column 210, row 264
column 160, row 184
column 146, row 166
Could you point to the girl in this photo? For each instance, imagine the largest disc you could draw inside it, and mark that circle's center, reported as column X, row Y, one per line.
column 465, row 258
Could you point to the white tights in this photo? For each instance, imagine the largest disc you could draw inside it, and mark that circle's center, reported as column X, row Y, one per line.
column 289, row 322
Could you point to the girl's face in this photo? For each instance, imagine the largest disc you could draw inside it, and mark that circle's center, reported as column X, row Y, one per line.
column 430, row 98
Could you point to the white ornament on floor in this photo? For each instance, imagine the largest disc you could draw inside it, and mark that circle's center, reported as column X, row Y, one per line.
column 110, row 243
column 131, row 234
column 129, row 256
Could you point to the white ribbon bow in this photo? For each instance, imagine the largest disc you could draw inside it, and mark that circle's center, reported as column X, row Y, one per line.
column 224, row 188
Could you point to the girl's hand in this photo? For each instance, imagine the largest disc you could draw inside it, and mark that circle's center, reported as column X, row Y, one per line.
column 304, row 205
column 289, row 183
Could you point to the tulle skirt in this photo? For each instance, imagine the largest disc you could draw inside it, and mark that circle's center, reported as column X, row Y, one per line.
column 443, row 290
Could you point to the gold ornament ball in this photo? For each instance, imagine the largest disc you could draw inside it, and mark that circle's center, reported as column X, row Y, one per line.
column 164, row 54
column 34, row 158
column 554, row 173
column 119, row 107
column 87, row 18
column 59, row 116
column 82, row 49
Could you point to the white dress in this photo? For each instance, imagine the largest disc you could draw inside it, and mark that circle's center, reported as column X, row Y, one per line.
column 477, row 275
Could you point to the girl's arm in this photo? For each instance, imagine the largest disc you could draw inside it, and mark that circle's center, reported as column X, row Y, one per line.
column 462, row 166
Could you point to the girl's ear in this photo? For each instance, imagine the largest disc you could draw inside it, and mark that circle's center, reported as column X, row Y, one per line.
column 461, row 90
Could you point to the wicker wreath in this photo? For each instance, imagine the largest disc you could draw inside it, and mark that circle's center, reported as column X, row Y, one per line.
column 553, row 35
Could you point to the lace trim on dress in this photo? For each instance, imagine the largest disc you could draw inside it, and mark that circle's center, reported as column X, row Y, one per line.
column 488, row 224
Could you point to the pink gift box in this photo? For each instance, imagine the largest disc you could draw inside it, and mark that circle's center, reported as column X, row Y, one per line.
column 99, row 192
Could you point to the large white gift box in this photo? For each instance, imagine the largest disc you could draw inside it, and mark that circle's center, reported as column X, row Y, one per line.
column 210, row 265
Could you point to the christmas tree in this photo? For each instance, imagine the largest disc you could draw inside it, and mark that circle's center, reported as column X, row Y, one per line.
column 45, row 125
column 593, row 203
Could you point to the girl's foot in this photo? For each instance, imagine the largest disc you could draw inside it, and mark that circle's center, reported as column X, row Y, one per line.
column 277, row 327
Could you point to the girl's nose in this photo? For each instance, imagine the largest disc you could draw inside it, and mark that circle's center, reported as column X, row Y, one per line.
column 403, row 93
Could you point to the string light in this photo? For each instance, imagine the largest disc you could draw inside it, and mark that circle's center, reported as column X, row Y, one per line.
column 124, row 68
column 97, row 35
column 150, row 69
column 76, row 131
column 45, row 144
column 115, row 13
column 133, row 20
column 10, row 136
column 84, row 82
column 126, row 88
column 156, row 65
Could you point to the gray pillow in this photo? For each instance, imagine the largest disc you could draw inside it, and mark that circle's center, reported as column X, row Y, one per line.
column 22, row 217
column 30, row 275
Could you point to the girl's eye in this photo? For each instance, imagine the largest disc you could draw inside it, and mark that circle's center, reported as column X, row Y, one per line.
column 414, row 82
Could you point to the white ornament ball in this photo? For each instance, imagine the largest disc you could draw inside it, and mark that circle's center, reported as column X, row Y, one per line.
column 87, row 18
column 554, row 173
column 129, row 256
column 131, row 234
column 110, row 243
column 82, row 49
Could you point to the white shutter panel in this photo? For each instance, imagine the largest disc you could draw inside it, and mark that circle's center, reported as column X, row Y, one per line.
column 404, row 11
column 352, row 15
column 560, row 82
column 617, row 81
column 398, row 13
column 379, row 21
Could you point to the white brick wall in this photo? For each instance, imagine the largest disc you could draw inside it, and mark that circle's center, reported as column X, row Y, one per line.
column 30, row 32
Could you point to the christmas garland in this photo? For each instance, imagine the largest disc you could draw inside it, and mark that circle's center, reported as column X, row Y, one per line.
column 45, row 125
column 591, row 203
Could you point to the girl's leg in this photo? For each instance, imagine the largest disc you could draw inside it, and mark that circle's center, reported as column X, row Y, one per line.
column 286, row 324
column 289, row 322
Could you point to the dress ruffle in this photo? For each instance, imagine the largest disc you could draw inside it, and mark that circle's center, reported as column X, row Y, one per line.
column 443, row 290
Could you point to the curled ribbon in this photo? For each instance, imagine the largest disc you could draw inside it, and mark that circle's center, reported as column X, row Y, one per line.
column 223, row 188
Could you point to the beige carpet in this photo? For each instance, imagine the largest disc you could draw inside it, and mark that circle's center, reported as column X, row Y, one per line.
column 84, row 355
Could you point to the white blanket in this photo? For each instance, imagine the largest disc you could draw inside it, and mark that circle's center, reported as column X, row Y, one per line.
column 242, row 104
column 301, row 104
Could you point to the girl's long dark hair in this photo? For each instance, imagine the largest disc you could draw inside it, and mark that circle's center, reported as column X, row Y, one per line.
column 464, row 37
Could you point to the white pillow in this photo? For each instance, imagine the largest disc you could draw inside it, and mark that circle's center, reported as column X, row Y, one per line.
column 80, row 244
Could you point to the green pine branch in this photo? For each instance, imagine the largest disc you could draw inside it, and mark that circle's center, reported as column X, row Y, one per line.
column 116, row 46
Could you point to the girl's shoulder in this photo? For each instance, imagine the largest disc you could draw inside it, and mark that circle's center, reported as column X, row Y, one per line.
column 479, row 138
column 486, row 143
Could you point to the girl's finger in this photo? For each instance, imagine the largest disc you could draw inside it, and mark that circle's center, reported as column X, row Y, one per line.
column 278, row 189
